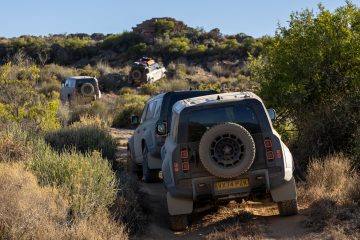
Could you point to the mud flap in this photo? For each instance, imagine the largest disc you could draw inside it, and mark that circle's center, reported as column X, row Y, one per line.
column 178, row 206
column 284, row 192
column 154, row 162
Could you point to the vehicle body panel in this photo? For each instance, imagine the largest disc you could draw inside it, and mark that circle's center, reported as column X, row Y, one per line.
column 264, row 176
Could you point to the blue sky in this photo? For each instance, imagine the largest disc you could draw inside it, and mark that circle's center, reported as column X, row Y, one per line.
column 43, row 17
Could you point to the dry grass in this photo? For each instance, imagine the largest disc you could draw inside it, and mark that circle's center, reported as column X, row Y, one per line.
column 129, row 206
column 12, row 150
column 232, row 222
column 14, row 145
column 100, row 226
column 28, row 211
column 332, row 194
column 331, row 178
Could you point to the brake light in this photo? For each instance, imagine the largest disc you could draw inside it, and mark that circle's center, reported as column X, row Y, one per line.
column 279, row 154
column 269, row 151
column 268, row 143
column 184, row 154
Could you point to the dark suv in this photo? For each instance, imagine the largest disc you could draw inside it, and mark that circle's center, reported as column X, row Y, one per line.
column 223, row 147
column 149, row 136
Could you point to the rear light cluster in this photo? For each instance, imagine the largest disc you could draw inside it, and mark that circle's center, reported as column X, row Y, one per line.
column 184, row 166
column 270, row 156
column 269, row 150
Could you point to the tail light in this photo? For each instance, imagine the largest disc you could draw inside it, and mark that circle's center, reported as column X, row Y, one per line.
column 269, row 151
column 184, row 156
column 185, row 166
column 270, row 155
column 161, row 128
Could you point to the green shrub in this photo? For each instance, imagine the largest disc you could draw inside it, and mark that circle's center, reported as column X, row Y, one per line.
column 87, row 180
column 149, row 89
column 97, row 108
column 104, row 68
column 21, row 103
column 88, row 71
column 179, row 45
column 126, row 106
column 173, row 85
column 84, row 138
column 163, row 25
column 180, row 70
column 57, row 72
column 127, row 90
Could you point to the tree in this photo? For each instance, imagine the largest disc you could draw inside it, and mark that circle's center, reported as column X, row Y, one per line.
column 311, row 75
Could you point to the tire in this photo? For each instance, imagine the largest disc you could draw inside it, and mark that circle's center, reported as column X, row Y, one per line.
column 87, row 89
column 179, row 222
column 149, row 175
column 131, row 167
column 136, row 74
column 288, row 208
column 227, row 150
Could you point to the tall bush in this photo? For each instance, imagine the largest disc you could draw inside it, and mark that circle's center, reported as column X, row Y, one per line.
column 311, row 76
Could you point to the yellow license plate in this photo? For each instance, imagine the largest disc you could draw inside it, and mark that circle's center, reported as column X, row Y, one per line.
column 240, row 183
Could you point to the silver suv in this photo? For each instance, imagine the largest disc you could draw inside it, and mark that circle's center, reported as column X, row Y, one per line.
column 223, row 147
column 83, row 87
column 146, row 70
column 150, row 133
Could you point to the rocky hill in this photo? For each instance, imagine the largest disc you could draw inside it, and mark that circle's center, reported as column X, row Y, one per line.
column 165, row 39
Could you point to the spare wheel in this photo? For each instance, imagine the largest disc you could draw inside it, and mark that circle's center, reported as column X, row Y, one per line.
column 136, row 74
column 87, row 89
column 227, row 150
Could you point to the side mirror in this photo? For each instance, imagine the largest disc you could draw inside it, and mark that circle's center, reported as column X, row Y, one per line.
column 135, row 120
column 272, row 114
column 161, row 129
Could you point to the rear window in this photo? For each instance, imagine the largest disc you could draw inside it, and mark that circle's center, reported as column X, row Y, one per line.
column 201, row 120
column 80, row 82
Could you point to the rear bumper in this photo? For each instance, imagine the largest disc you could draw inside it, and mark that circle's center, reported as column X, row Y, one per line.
column 204, row 187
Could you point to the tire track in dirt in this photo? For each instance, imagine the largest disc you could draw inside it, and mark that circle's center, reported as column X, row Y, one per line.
column 249, row 220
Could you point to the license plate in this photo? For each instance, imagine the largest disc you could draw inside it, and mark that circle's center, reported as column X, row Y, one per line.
column 240, row 183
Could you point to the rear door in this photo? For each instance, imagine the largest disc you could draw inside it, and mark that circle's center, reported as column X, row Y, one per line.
column 145, row 131
column 67, row 89
column 138, row 136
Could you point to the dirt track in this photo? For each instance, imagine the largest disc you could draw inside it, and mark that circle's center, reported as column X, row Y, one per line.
column 255, row 220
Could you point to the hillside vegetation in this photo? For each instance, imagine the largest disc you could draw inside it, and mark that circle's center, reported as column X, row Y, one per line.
column 59, row 176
